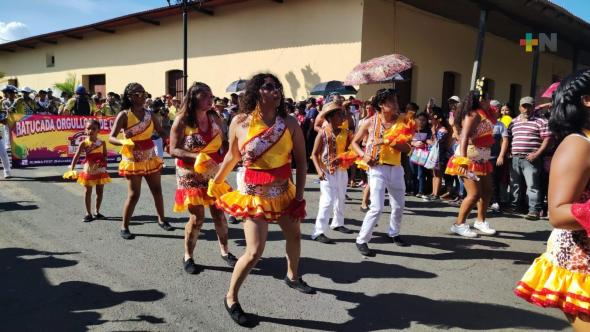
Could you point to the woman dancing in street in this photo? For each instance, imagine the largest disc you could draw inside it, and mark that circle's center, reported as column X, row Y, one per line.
column 560, row 278
column 471, row 161
column 264, row 138
column 195, row 141
column 139, row 158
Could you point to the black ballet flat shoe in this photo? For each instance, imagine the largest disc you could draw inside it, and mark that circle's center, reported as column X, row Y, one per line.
column 98, row 216
column 166, row 226
column 236, row 313
column 126, row 234
column 88, row 218
column 190, row 267
column 230, row 259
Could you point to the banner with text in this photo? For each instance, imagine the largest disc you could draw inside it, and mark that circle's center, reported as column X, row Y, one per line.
column 44, row 140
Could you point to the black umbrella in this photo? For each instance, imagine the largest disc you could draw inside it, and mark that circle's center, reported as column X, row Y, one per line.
column 325, row 88
column 236, row 86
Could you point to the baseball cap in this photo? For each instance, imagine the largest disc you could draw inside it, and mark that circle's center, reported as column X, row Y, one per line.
column 527, row 100
column 80, row 90
column 10, row 88
column 455, row 99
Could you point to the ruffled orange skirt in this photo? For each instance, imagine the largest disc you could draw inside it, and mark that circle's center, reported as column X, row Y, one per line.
column 93, row 179
column 265, row 202
column 145, row 167
column 192, row 196
column 548, row 285
column 480, row 168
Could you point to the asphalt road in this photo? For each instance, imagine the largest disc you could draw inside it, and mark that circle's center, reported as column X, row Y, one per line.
column 60, row 274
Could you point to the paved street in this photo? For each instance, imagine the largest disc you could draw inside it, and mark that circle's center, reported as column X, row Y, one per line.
column 58, row 273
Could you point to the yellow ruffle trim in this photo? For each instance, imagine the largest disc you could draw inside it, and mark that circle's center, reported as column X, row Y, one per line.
column 92, row 183
column 145, row 167
column 70, row 175
column 218, row 189
column 194, row 201
column 248, row 206
column 547, row 285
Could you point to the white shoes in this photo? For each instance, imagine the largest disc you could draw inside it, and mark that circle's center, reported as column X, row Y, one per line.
column 463, row 230
column 484, row 227
column 495, row 207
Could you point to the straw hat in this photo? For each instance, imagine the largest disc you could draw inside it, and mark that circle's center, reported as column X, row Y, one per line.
column 330, row 108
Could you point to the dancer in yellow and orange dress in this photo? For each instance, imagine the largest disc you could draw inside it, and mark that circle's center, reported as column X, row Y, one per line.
column 195, row 141
column 139, row 157
column 94, row 173
column 264, row 137
column 471, row 161
column 560, row 278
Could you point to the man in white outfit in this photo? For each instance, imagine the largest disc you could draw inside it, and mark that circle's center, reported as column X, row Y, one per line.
column 385, row 171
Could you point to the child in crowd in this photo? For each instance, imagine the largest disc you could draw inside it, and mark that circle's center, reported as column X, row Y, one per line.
column 329, row 158
column 94, row 173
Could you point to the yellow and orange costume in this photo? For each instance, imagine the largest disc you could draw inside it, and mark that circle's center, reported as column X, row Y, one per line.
column 268, row 191
column 193, row 178
column 478, row 150
column 138, row 154
column 560, row 278
column 94, row 172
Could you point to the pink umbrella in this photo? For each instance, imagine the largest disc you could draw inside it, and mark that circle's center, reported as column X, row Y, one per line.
column 382, row 69
column 549, row 92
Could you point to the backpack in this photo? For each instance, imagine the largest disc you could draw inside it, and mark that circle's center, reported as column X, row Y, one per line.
column 82, row 106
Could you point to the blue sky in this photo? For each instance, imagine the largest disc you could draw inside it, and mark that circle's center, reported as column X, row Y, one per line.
column 21, row 19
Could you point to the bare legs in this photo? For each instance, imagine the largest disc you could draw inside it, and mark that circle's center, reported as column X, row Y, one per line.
column 478, row 193
column 193, row 227
column 88, row 198
column 256, row 233
column 134, row 191
column 153, row 181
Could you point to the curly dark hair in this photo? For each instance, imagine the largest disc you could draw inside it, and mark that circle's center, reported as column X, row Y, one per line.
column 471, row 102
column 191, row 102
column 568, row 115
column 251, row 96
column 126, row 102
column 381, row 96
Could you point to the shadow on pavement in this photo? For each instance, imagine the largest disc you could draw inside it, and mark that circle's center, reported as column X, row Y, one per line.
column 17, row 206
column 33, row 304
column 399, row 311
column 458, row 248
column 339, row 272
column 530, row 236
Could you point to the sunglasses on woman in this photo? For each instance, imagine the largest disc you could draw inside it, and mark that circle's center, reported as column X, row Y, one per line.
column 270, row 87
column 138, row 94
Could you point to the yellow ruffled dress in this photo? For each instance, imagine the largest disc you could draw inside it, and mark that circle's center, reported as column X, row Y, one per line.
column 560, row 278
column 94, row 172
column 193, row 178
column 139, row 158
column 268, row 189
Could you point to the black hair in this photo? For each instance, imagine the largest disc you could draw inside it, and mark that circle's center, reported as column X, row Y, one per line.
column 311, row 100
column 94, row 122
column 127, row 103
column 252, row 94
column 472, row 102
column 413, row 106
column 190, row 103
column 381, row 96
column 568, row 115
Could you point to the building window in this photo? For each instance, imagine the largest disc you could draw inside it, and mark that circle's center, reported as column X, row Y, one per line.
column 450, row 87
column 50, row 60
column 515, row 94
column 489, row 87
column 175, row 83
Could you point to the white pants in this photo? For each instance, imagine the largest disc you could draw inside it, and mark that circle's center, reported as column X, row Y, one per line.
column 4, row 158
column 6, row 137
column 380, row 178
column 159, row 147
column 332, row 199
